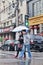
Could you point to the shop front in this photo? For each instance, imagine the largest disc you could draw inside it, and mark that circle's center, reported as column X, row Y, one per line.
column 35, row 24
column 6, row 33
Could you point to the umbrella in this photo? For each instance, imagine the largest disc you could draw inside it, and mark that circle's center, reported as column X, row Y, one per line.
column 6, row 38
column 9, row 42
column 20, row 28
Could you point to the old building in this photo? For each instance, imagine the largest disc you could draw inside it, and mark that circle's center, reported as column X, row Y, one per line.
column 8, row 20
column 36, row 16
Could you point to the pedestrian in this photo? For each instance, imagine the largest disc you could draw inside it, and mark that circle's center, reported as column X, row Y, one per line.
column 11, row 47
column 20, row 45
column 26, row 44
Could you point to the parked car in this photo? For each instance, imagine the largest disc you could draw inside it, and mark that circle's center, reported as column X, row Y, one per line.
column 32, row 41
column 38, row 43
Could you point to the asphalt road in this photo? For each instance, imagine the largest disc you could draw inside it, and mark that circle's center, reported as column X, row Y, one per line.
column 7, row 58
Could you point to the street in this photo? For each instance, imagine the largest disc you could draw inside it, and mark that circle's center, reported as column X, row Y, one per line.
column 21, row 26
column 7, row 58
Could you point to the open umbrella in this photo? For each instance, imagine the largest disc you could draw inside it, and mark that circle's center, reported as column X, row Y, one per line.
column 9, row 41
column 6, row 38
column 20, row 28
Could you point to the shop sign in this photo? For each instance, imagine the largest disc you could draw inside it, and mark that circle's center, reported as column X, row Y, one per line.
column 6, row 29
column 36, row 20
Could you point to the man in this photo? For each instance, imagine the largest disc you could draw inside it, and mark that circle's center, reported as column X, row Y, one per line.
column 26, row 44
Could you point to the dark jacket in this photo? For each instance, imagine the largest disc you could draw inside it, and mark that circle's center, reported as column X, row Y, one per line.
column 21, row 39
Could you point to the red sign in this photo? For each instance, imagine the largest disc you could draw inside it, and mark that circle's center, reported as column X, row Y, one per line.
column 6, row 30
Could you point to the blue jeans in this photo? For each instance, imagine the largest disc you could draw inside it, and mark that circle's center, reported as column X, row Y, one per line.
column 23, row 50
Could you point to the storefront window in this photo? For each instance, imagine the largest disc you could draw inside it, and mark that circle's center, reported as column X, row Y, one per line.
column 42, row 27
column 4, row 24
column 7, row 23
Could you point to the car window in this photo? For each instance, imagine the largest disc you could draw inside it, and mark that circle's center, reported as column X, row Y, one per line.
column 38, row 37
column 32, row 37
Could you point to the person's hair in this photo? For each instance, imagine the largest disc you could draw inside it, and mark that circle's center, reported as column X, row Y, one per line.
column 23, row 30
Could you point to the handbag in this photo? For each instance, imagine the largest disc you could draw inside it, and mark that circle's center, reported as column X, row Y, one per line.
column 20, row 45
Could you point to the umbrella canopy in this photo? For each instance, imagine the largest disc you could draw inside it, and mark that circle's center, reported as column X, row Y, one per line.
column 9, row 41
column 6, row 38
column 20, row 28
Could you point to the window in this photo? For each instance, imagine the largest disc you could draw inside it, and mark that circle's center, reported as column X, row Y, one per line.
column 21, row 2
column 27, row 7
column 35, row 9
column 11, row 22
column 42, row 27
column 4, row 24
column 41, row 6
column 7, row 23
column 13, row 5
column 38, row 7
column 3, row 9
column 21, row 17
column 9, row 6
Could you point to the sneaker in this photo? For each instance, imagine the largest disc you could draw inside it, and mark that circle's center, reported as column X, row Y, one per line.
column 16, row 56
column 25, row 56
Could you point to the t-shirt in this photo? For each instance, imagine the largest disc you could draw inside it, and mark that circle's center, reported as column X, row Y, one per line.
column 26, row 39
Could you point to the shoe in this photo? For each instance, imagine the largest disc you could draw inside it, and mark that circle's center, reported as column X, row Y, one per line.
column 16, row 56
column 24, row 56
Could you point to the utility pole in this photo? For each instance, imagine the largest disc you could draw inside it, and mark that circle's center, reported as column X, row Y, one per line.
column 17, row 13
column 17, row 35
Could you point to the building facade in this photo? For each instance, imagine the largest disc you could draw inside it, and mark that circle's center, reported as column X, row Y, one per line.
column 36, row 16
column 8, row 16
column 7, row 19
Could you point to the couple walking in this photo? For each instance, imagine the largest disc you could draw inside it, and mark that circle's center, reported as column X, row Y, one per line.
column 24, row 40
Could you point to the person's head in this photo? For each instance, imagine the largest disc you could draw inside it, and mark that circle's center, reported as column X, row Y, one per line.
column 20, row 33
column 24, row 31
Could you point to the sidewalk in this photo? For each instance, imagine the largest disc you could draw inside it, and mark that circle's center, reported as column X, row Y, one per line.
column 13, row 53
column 37, row 57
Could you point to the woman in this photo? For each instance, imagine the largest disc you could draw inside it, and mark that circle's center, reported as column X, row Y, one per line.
column 20, row 45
